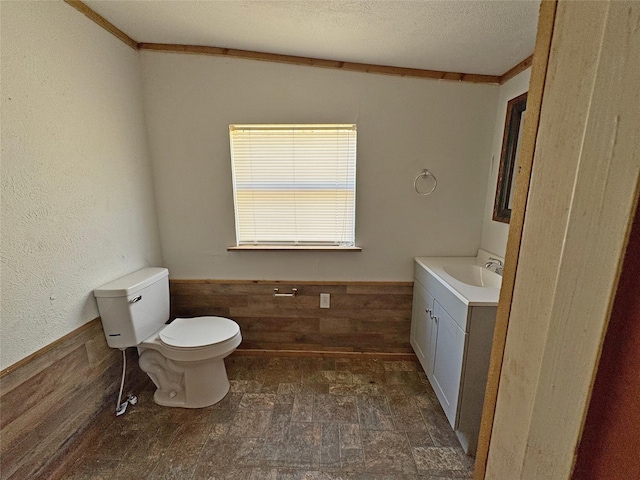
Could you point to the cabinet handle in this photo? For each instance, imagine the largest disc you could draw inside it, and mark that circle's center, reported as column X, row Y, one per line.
column 430, row 312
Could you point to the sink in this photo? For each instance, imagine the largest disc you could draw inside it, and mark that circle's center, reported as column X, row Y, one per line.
column 474, row 275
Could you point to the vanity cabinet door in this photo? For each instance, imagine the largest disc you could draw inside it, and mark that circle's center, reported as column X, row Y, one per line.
column 447, row 361
column 421, row 323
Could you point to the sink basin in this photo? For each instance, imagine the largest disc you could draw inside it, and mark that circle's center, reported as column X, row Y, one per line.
column 474, row 275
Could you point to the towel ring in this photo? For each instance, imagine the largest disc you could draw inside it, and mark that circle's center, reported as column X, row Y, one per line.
column 425, row 173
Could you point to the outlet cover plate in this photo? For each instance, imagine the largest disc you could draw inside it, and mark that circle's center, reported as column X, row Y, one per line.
column 325, row 300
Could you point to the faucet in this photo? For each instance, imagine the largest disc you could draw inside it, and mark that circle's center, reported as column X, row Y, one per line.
column 494, row 262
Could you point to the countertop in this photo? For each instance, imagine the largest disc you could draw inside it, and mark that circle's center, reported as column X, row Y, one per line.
column 468, row 294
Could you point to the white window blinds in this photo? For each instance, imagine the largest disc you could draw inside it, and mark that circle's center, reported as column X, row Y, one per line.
column 294, row 184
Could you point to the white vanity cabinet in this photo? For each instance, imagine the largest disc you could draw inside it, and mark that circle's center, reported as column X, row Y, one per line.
column 422, row 338
column 446, row 368
column 452, row 338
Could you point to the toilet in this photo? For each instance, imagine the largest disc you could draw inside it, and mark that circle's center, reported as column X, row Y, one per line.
column 184, row 359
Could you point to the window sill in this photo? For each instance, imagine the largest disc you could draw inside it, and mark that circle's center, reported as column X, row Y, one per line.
column 279, row 248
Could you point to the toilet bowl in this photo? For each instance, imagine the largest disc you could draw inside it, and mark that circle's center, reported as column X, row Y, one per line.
column 185, row 358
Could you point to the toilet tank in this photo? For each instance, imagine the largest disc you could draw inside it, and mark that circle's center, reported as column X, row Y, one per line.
column 134, row 307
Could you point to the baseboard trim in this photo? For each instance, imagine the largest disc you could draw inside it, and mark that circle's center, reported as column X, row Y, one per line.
column 323, row 353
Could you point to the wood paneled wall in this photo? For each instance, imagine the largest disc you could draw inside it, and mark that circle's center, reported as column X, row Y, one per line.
column 363, row 317
column 48, row 399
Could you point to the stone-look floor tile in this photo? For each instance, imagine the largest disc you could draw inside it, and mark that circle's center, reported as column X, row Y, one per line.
column 176, row 467
column 183, row 415
column 275, row 377
column 302, row 408
column 273, row 453
column 357, row 389
column 285, row 398
column 151, row 442
column 245, row 386
column 247, row 374
column 469, row 463
column 420, row 439
column 437, row 474
column 264, row 474
column 394, row 390
column 248, row 362
column 223, row 415
column 319, row 376
column 381, row 476
column 415, row 388
column 455, row 475
column 406, row 415
column 368, row 378
column 219, row 430
column 310, row 364
column 279, row 424
column 230, row 452
column 90, row 467
column 387, row 451
column 431, row 458
column 439, row 428
column 309, row 475
column 249, row 423
column 400, row 366
column 374, row 413
column 302, row 388
column 330, row 446
column 129, row 470
column 115, row 441
column 344, row 378
column 229, row 402
column 258, row 401
column 424, row 400
column 352, row 459
column 235, row 372
column 328, row 363
column 213, row 472
column 282, row 419
column 190, row 438
column 283, row 363
column 335, row 408
column 354, row 365
column 303, row 445
column 350, row 436
column 402, row 377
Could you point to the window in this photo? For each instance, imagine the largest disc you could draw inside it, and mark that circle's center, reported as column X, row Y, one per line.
column 294, row 185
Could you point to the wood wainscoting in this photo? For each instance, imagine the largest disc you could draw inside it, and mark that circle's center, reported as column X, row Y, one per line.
column 364, row 317
column 49, row 398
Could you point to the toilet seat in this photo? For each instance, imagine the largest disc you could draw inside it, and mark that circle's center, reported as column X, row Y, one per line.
column 195, row 339
column 198, row 332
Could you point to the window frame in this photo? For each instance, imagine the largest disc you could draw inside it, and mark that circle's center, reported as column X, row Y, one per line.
column 293, row 242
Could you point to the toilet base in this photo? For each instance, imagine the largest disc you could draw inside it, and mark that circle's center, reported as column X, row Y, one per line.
column 185, row 384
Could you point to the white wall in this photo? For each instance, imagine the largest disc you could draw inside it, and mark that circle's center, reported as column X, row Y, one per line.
column 494, row 234
column 404, row 125
column 77, row 197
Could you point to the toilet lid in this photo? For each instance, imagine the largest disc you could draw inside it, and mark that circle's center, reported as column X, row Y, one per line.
column 198, row 332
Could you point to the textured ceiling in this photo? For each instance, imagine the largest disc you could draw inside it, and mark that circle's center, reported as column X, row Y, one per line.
column 468, row 36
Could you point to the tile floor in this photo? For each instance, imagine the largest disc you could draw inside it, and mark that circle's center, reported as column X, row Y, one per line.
column 285, row 418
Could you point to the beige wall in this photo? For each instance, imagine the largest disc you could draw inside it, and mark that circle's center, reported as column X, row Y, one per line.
column 494, row 234
column 77, row 201
column 404, row 126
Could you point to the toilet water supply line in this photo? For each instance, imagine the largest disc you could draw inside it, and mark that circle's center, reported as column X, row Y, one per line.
column 131, row 399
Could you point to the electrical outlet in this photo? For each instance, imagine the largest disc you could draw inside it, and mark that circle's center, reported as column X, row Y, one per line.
column 325, row 300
